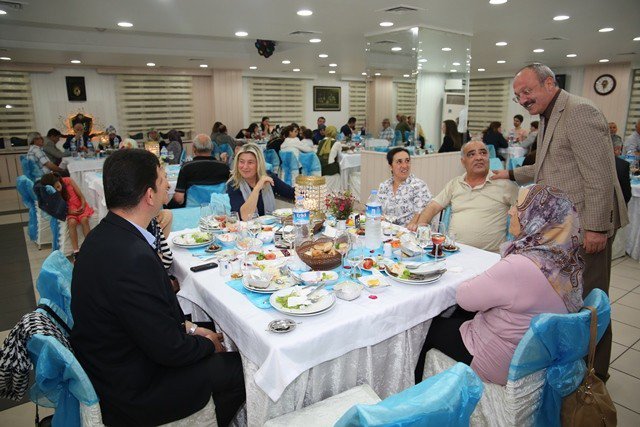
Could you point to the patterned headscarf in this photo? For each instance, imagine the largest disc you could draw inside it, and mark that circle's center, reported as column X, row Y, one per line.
column 550, row 237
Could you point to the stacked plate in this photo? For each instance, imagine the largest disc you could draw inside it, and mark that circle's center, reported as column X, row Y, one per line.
column 321, row 306
column 425, row 273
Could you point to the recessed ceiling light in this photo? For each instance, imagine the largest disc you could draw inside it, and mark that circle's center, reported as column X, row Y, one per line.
column 2, row 12
column 497, row 1
column 5, row 58
column 295, row 70
column 446, row 49
column 125, row 24
column 538, row 50
column 8, row 106
column 502, row 44
column 637, row 39
column 386, row 24
column 422, row 60
column 286, row 61
column 333, row 65
column 76, row 61
column 253, row 67
column 500, row 61
column 571, row 55
column 605, row 30
column 561, row 17
column 419, row 50
column 453, row 71
column 413, row 48
column 406, row 75
column 364, row 74
column 603, row 60
column 332, row 71
column 377, row 74
column 323, row 55
column 456, row 64
column 315, row 40
column 203, row 65
column 481, row 69
column 241, row 34
column 151, row 64
column 304, row 12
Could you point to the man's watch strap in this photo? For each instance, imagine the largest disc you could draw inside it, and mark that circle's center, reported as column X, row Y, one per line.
column 192, row 329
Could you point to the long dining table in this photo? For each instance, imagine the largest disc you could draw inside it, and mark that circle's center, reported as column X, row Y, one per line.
column 367, row 340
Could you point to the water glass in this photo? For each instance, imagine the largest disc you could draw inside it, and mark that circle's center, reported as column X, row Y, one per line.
column 424, row 236
column 233, row 219
column 205, row 212
column 289, row 235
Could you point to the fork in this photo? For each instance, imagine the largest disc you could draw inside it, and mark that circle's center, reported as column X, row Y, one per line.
column 317, row 298
column 416, row 266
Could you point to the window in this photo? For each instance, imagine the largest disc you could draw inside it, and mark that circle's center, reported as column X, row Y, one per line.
column 155, row 101
column 634, row 104
column 282, row 100
column 16, row 105
column 358, row 101
column 487, row 102
column 406, row 98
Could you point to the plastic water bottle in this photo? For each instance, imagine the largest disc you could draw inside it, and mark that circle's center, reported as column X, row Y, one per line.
column 373, row 225
column 512, row 137
column 164, row 152
column 301, row 218
column 73, row 148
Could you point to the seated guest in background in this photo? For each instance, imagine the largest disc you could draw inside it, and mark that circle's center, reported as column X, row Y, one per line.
column 318, row 134
column 403, row 196
column 307, row 139
column 402, row 126
column 252, row 132
column 251, row 188
column 387, row 132
column 518, row 132
column 540, row 272
column 265, row 127
column 293, row 144
column 202, row 170
column 79, row 141
column 416, row 131
column 328, row 150
column 615, row 138
column 154, row 135
column 452, row 140
column 222, row 139
column 493, row 136
column 530, row 158
column 632, row 143
column 114, row 138
column 215, row 131
column 37, row 155
column 622, row 170
column 147, row 365
column 128, row 143
column 50, row 148
column 174, row 146
column 478, row 206
column 531, row 137
column 349, row 129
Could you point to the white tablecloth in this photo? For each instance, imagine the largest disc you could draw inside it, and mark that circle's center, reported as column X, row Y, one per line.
column 349, row 164
column 279, row 367
column 633, row 236
column 78, row 167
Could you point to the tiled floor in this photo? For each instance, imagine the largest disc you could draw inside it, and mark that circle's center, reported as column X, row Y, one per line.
column 624, row 384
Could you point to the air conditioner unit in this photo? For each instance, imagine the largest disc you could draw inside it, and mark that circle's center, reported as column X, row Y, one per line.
column 452, row 104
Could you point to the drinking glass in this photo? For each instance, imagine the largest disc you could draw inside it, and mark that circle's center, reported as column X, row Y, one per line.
column 253, row 225
column 205, row 213
column 355, row 256
column 451, row 240
column 343, row 248
column 289, row 235
column 232, row 222
column 424, row 236
column 219, row 212
column 438, row 233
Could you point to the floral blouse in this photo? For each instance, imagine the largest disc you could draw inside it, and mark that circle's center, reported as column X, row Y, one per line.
column 412, row 196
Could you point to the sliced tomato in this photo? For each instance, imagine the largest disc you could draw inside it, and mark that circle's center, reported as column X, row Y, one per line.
column 269, row 256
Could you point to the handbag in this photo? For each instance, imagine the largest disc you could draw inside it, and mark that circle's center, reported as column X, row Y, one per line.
column 590, row 404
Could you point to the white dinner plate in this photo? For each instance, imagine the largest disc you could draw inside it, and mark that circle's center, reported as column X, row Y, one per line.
column 267, row 219
column 323, row 305
column 176, row 242
column 269, row 289
column 427, row 280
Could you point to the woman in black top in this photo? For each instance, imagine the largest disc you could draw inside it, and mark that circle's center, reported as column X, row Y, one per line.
column 493, row 136
column 251, row 188
column 452, row 140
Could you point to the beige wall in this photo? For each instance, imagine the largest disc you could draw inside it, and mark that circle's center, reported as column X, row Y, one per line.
column 203, row 104
column 379, row 100
column 615, row 105
column 227, row 99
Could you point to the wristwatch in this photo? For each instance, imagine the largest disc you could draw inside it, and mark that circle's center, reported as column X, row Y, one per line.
column 192, row 329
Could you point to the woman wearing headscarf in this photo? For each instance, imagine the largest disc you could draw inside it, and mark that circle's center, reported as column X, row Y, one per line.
column 540, row 272
column 328, row 150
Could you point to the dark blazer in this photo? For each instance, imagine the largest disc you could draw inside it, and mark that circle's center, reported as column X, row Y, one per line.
column 622, row 170
column 83, row 143
column 128, row 333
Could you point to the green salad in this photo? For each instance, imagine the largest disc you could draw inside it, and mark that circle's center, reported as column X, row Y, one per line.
column 201, row 237
column 406, row 274
column 326, row 276
column 284, row 301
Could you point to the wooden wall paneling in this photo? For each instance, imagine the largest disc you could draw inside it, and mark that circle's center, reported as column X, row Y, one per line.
column 614, row 106
column 203, row 104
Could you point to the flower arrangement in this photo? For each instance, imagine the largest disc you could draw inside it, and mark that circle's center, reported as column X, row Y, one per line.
column 340, row 204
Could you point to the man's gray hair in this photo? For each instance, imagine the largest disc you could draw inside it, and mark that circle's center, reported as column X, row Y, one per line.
column 202, row 143
column 542, row 72
column 32, row 136
column 469, row 142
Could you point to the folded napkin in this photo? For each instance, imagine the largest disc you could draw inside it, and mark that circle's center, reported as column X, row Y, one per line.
column 257, row 299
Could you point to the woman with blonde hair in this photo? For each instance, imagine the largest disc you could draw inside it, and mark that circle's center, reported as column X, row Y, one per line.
column 251, row 187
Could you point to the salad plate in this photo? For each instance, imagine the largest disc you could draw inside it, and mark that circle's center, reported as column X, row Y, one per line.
column 400, row 273
column 267, row 219
column 319, row 277
column 193, row 240
column 294, row 301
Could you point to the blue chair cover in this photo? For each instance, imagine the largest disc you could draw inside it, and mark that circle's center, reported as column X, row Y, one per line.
column 495, row 163
column 446, row 399
column 398, row 138
column 54, row 283
column 30, row 168
column 310, row 164
column 288, row 165
column 222, row 198
column 558, row 342
column 183, row 156
column 381, row 149
column 185, row 218
column 25, row 188
column 445, row 217
column 226, row 148
column 60, row 381
column 270, row 156
column 55, row 233
column 407, row 135
column 515, row 162
column 492, row 151
column 198, row 194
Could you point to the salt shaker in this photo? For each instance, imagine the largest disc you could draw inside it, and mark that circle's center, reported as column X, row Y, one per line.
column 225, row 267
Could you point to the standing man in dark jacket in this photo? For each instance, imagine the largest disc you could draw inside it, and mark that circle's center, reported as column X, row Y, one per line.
column 147, row 365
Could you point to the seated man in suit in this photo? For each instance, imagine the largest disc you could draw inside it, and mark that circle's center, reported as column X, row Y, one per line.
column 478, row 206
column 622, row 170
column 79, row 141
column 204, row 169
column 147, row 365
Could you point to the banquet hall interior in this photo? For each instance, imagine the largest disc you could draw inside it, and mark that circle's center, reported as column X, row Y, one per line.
column 142, row 65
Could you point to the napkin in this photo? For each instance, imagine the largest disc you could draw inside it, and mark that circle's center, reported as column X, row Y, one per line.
column 257, row 299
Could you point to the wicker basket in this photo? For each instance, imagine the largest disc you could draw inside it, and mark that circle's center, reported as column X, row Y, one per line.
column 320, row 263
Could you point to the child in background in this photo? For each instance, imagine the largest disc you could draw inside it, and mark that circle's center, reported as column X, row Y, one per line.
column 78, row 211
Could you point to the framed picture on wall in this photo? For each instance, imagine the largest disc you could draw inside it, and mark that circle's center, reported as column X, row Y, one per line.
column 326, row 98
column 76, row 90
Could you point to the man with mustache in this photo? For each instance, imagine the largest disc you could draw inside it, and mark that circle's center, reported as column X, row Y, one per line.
column 574, row 154
column 479, row 205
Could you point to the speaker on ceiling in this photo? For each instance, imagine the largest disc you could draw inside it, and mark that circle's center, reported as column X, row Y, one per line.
column 265, row 47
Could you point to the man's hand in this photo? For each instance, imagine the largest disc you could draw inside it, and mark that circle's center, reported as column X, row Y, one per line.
column 224, row 157
column 594, row 242
column 215, row 338
column 412, row 226
column 500, row 174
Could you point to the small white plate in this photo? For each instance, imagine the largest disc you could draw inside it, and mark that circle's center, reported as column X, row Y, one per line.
column 178, row 241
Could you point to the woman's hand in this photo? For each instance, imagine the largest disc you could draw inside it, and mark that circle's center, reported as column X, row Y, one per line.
column 265, row 179
column 412, row 226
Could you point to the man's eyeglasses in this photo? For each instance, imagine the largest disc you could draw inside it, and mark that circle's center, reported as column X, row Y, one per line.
column 526, row 92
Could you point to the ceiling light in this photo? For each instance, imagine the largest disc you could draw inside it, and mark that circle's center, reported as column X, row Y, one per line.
column 8, row 106
column 481, row 69
column 125, row 24
column 456, row 63
column 419, row 50
column 422, row 60
column 314, row 40
column 76, row 61
column 286, row 61
column 497, row 1
column 538, row 50
column 5, row 58
column 364, row 74
column 446, row 49
column 406, row 75
column 241, row 34
column 453, row 71
column 396, row 48
column 386, row 24
column 501, row 44
column 413, row 48
column 571, row 55
column 377, row 74
column 203, row 65
column 637, row 39
column 323, row 55
column 253, row 67
column 151, row 64
column 561, row 18
column 500, row 61
column 2, row 12
column 605, row 30
column 332, row 71
column 296, row 70
column 603, row 60
column 304, row 12
column 333, row 65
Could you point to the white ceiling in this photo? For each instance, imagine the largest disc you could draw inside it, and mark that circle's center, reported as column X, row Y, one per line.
column 187, row 33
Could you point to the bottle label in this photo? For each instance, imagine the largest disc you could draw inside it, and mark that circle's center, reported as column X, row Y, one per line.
column 301, row 217
column 374, row 211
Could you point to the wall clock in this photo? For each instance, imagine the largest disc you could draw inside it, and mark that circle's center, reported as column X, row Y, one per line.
column 605, row 84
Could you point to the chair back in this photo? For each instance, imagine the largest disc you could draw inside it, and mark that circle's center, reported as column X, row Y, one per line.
column 445, row 216
column 495, row 163
column 54, row 283
column 398, row 138
column 289, row 166
column 446, row 399
column 223, row 199
column 271, row 156
column 183, row 156
column 185, row 218
column 310, row 163
column 137, row 136
column 198, row 194
column 492, row 150
column 56, row 231
column 25, row 188
column 30, row 169
column 515, row 162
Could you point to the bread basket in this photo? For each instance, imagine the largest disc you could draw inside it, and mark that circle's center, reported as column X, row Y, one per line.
column 313, row 253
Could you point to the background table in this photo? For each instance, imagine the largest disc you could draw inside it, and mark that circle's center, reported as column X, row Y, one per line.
column 633, row 236
column 349, row 166
column 367, row 340
column 78, row 166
